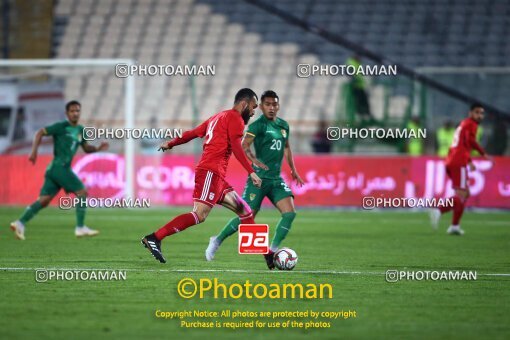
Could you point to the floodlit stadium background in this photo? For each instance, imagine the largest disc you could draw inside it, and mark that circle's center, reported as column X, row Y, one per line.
column 448, row 56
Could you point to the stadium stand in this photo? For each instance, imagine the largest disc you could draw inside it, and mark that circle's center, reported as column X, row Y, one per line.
column 94, row 30
column 265, row 51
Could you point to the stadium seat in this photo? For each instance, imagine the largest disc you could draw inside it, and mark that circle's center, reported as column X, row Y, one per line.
column 218, row 33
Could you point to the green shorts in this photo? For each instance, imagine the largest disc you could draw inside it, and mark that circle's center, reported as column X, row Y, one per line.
column 58, row 177
column 274, row 189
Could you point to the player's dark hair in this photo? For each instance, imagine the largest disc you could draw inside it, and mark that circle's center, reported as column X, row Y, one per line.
column 269, row 94
column 244, row 94
column 475, row 105
column 71, row 103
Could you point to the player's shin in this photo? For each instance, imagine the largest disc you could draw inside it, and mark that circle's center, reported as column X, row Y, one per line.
column 282, row 229
column 81, row 209
column 458, row 210
column 30, row 212
column 229, row 229
column 178, row 224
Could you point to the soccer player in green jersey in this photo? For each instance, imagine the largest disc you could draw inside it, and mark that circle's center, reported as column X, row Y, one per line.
column 67, row 136
column 270, row 136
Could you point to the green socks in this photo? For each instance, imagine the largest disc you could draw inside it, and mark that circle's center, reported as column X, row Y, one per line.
column 81, row 208
column 229, row 229
column 30, row 212
column 282, row 229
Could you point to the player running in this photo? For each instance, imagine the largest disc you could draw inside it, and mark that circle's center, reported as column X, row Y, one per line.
column 270, row 135
column 67, row 136
column 222, row 134
column 457, row 163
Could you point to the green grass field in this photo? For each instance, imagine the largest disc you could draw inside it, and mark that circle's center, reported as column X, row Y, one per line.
column 349, row 250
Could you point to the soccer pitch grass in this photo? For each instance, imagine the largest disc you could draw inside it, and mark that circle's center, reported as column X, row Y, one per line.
column 349, row 250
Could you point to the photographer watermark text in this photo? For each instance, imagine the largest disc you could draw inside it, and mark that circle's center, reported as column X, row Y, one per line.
column 45, row 275
column 126, row 70
column 337, row 133
column 394, row 275
column 92, row 133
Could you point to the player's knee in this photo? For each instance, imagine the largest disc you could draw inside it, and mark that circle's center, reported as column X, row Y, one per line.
column 201, row 215
column 44, row 202
column 82, row 193
column 290, row 216
column 463, row 194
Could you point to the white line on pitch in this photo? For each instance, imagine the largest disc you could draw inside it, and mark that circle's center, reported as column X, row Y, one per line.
column 332, row 272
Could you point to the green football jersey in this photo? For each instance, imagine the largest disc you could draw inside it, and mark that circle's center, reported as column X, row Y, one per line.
column 66, row 140
column 270, row 139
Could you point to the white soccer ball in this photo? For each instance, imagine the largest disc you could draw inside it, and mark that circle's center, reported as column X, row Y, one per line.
column 285, row 259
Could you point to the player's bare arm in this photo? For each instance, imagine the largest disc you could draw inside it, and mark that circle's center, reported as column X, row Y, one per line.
column 290, row 160
column 246, row 143
column 35, row 145
column 88, row 148
column 240, row 155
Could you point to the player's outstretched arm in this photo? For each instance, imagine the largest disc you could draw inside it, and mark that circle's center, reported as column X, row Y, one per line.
column 290, row 160
column 246, row 144
column 91, row 148
column 35, row 145
column 187, row 136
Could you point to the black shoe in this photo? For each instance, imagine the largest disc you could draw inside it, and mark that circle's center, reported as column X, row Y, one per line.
column 154, row 246
column 269, row 260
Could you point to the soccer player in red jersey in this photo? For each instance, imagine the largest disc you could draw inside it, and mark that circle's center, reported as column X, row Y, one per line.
column 457, row 163
column 222, row 135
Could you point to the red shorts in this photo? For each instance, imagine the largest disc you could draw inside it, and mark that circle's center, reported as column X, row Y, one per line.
column 458, row 175
column 209, row 187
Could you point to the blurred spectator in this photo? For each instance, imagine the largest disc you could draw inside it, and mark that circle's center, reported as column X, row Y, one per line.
column 415, row 145
column 359, row 92
column 320, row 141
column 444, row 138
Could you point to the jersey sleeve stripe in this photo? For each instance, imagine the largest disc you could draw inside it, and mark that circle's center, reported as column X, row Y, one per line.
column 249, row 133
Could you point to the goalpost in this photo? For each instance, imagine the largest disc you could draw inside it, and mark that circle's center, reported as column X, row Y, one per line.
column 28, row 68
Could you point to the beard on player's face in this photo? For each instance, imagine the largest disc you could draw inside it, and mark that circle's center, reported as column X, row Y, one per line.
column 246, row 114
column 477, row 117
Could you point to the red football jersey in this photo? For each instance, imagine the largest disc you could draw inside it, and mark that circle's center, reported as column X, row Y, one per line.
column 463, row 142
column 222, row 134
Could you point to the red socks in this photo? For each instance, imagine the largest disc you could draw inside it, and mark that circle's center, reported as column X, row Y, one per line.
column 247, row 219
column 176, row 225
column 185, row 221
column 458, row 209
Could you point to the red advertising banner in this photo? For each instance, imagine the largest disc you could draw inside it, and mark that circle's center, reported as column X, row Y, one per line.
column 329, row 180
